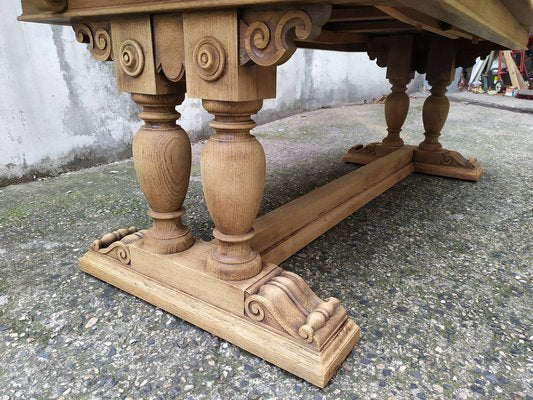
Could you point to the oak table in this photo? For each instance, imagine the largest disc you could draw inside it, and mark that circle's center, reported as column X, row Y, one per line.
column 225, row 52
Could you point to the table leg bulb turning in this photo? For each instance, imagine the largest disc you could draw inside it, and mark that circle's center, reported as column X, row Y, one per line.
column 162, row 157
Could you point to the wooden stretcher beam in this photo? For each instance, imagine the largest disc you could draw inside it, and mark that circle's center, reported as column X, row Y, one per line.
column 289, row 228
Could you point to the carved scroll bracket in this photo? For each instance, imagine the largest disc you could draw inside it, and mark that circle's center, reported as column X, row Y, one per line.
column 287, row 304
column 267, row 37
column 115, row 244
column 455, row 159
column 97, row 36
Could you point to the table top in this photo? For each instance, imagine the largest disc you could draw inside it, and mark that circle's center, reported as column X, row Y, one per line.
column 506, row 23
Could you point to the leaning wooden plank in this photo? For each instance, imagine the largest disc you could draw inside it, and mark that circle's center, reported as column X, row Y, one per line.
column 278, row 225
column 301, row 238
column 516, row 79
column 487, row 19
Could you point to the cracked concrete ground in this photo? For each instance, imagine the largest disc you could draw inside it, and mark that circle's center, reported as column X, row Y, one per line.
column 436, row 271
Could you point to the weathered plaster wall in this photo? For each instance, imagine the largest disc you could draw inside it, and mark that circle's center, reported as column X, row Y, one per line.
column 59, row 108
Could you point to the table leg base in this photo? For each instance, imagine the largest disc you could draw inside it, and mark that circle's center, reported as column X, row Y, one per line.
column 274, row 315
column 447, row 163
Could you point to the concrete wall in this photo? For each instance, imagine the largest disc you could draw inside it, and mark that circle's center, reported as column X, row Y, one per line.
column 59, row 108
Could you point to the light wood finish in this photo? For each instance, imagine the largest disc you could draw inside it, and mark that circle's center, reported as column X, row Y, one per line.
column 162, row 156
column 212, row 60
column 423, row 21
column 399, row 73
column 225, row 52
column 284, row 221
column 447, row 163
column 276, row 299
column 379, row 26
column 292, row 355
column 522, row 11
column 505, row 22
column 289, row 228
column 233, row 179
column 187, row 271
column 358, row 14
column 429, row 157
column 487, row 19
column 169, row 46
column 267, row 38
column 134, row 56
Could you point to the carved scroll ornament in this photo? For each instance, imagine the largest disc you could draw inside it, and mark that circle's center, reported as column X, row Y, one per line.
column 98, row 39
column 54, row 6
column 287, row 304
column 370, row 149
column 455, row 159
column 115, row 244
column 267, row 37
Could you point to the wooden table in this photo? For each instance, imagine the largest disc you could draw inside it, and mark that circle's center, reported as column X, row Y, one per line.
column 225, row 52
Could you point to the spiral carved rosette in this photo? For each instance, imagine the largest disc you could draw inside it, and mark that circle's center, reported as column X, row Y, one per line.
column 98, row 39
column 210, row 58
column 286, row 303
column 54, row 6
column 115, row 244
column 267, row 37
column 131, row 58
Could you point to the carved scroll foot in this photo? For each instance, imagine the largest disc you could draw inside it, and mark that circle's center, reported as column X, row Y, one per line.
column 116, row 244
column 360, row 154
column 447, row 163
column 444, row 162
column 285, row 303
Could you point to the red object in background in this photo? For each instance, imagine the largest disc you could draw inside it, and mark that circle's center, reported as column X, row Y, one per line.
column 498, row 81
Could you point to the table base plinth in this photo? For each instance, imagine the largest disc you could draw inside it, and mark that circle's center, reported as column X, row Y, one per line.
column 274, row 315
column 447, row 163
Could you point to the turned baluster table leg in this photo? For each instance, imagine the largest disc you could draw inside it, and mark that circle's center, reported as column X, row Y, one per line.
column 222, row 286
column 430, row 157
column 233, row 178
column 162, row 157
column 434, row 114
column 440, row 73
column 399, row 74
column 396, row 109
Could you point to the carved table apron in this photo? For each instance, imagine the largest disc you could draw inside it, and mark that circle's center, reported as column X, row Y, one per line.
column 226, row 53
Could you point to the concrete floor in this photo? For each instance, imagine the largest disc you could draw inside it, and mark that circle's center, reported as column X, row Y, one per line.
column 436, row 271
